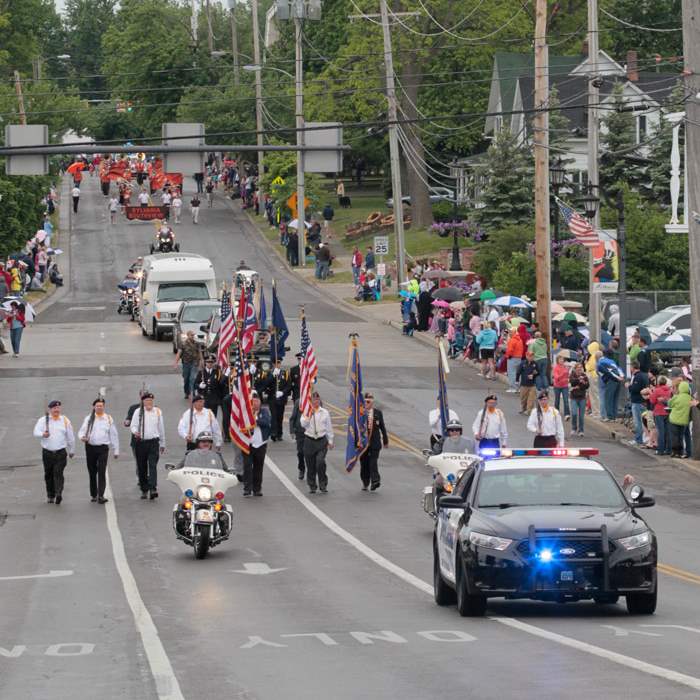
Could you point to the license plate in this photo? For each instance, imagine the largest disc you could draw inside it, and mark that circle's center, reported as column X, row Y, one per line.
column 204, row 516
column 566, row 576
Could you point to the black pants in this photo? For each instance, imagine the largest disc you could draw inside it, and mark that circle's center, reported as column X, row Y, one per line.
column 147, row 453
column 96, row 456
column 54, row 464
column 226, row 415
column 277, row 407
column 315, row 458
column 676, row 433
column 301, row 464
column 545, row 441
column 369, row 467
column 213, row 406
column 76, row 200
column 253, row 469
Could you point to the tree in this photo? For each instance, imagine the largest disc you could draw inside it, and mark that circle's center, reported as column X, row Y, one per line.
column 498, row 247
column 21, row 210
column 516, row 275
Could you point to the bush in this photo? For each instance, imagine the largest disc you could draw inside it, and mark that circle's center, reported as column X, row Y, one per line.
column 499, row 246
column 515, row 274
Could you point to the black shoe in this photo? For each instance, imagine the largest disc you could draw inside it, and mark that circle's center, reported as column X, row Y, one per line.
column 154, row 494
column 247, row 494
column 279, row 438
column 49, row 499
column 257, row 493
column 144, row 495
column 364, row 487
column 323, row 489
column 59, row 498
column 240, row 478
column 312, row 490
column 93, row 499
column 375, row 485
column 102, row 500
column 300, row 476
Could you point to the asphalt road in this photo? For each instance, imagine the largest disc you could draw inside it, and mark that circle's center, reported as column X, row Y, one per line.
column 313, row 596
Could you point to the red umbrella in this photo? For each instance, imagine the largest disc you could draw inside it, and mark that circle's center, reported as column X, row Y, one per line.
column 74, row 167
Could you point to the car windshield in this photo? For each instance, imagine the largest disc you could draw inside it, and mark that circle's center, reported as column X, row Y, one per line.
column 658, row 319
column 182, row 291
column 548, row 487
column 198, row 314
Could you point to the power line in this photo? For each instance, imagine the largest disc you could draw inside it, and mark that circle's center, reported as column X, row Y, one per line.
column 637, row 26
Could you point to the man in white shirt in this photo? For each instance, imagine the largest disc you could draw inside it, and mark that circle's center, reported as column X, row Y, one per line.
column 57, row 442
column 75, row 193
column 113, row 207
column 98, row 432
column 318, row 439
column 436, row 424
column 196, row 420
column 144, row 198
column 166, row 198
column 489, row 426
column 255, row 459
column 177, row 207
column 148, row 430
column 545, row 421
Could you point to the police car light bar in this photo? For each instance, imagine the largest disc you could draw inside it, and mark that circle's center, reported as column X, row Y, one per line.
column 492, row 452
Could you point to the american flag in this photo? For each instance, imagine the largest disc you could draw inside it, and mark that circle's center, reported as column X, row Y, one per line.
column 227, row 331
column 242, row 422
column 248, row 323
column 308, row 369
column 579, row 226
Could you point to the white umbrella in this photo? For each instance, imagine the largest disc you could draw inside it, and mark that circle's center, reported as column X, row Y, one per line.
column 294, row 223
column 577, row 317
column 40, row 235
column 54, row 251
column 29, row 312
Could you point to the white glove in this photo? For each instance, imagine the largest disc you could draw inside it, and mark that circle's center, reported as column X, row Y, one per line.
column 276, row 372
column 252, row 368
column 279, row 394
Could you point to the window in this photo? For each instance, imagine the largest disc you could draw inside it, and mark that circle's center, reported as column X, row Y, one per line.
column 641, row 128
column 182, row 291
column 197, row 314
column 682, row 321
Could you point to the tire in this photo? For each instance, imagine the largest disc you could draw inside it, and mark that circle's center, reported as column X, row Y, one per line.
column 157, row 334
column 143, row 332
column 200, row 542
column 444, row 595
column 467, row 605
column 174, row 347
column 642, row 603
column 177, row 247
column 609, row 599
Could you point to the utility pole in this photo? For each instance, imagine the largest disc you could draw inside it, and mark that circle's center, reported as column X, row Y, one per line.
column 20, row 98
column 234, row 42
column 691, row 54
column 299, row 114
column 593, row 148
column 394, row 155
column 541, row 146
column 210, row 33
column 258, row 92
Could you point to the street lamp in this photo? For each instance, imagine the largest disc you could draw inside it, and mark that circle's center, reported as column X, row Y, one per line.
column 557, row 177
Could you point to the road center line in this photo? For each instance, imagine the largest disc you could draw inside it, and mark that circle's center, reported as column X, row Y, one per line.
column 424, row 587
column 167, row 686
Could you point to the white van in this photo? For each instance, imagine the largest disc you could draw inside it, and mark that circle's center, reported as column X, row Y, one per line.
column 168, row 280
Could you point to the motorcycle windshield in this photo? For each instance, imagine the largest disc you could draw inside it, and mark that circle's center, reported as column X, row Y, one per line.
column 192, row 477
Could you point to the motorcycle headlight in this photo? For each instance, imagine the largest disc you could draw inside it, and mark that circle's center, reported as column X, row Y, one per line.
column 641, row 539
column 489, row 541
column 204, row 493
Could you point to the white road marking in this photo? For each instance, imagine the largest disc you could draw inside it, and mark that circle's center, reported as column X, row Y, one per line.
column 3, row 432
column 167, row 686
column 102, row 333
column 622, row 632
column 102, row 392
column 52, row 574
column 86, row 308
column 695, row 630
column 257, row 568
column 103, row 368
column 425, row 587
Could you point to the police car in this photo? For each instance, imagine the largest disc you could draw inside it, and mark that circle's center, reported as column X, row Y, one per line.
column 544, row 524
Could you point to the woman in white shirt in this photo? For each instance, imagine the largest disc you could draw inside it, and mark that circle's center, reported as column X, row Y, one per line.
column 545, row 421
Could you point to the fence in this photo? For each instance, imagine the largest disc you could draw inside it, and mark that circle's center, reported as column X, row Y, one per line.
column 659, row 298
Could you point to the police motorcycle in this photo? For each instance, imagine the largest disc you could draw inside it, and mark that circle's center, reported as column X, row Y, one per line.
column 201, row 518
column 165, row 241
column 447, row 469
column 129, row 298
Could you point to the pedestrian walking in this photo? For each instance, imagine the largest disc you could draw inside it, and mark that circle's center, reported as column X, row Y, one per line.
column 296, row 430
column 113, row 207
column 148, row 430
column 514, row 356
column 196, row 420
column 318, row 432
column 255, row 459
column 75, row 194
column 99, row 433
column 560, row 382
column 526, row 377
column 638, row 383
column 487, row 339
column 489, row 427
column 578, row 383
column 545, row 422
column 209, row 189
column 177, row 207
column 16, row 322
column 679, row 419
column 658, row 398
column 57, row 444
column 210, row 383
column 377, row 438
column 190, row 356
column 195, row 203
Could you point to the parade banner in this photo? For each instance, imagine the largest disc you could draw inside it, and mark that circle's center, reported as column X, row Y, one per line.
column 606, row 262
column 145, row 213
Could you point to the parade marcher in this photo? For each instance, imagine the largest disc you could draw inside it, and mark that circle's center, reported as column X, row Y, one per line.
column 454, row 441
column 177, row 207
column 489, row 426
column 57, row 444
column 278, row 391
column 195, row 203
column 196, row 420
column 255, row 459
column 113, row 207
column 527, row 376
column 148, row 429
column 545, row 421
column 127, row 424
column 295, row 377
column 75, row 194
column 98, row 432
column 436, row 423
column 318, row 431
column 210, row 383
column 190, row 355
column 296, row 430
column 377, row 438
column 144, row 198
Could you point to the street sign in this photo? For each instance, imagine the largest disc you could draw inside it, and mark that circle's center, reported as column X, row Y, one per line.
column 381, row 245
column 26, row 135
column 278, row 181
column 185, row 163
column 331, row 136
column 292, row 204
column 381, row 269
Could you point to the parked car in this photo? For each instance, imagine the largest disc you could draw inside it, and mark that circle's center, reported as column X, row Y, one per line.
column 637, row 309
column 190, row 317
column 668, row 320
column 437, row 194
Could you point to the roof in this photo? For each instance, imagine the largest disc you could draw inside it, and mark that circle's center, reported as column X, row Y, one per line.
column 163, row 262
column 511, row 463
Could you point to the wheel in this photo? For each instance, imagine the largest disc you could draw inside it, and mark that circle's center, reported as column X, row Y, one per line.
column 177, row 247
column 157, row 334
column 467, row 605
column 641, row 603
column 609, row 599
column 174, row 348
column 201, row 541
column 444, row 595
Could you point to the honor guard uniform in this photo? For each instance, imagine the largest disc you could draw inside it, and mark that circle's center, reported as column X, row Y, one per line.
column 196, row 420
column 99, row 433
column 260, row 380
column 148, row 429
column 295, row 378
column 278, row 391
column 57, row 444
column 226, row 404
column 210, row 383
column 377, row 438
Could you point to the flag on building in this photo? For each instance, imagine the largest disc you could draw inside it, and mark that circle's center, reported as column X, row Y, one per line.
column 242, row 421
column 227, row 330
column 358, row 435
column 307, row 370
column 579, row 225
column 443, row 405
column 279, row 330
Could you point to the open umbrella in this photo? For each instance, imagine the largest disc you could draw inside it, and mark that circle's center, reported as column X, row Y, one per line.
column 445, row 274
column 457, row 305
column 448, row 294
column 54, row 251
column 516, row 321
column 294, row 223
column 556, row 308
column 441, row 303
column 487, row 294
column 510, row 301
column 74, row 167
column 29, row 312
column 570, row 316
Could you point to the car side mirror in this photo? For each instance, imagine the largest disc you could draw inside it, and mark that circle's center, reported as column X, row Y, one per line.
column 451, row 502
column 671, row 329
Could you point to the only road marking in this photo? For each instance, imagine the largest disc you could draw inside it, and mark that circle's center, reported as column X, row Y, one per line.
column 51, row 574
